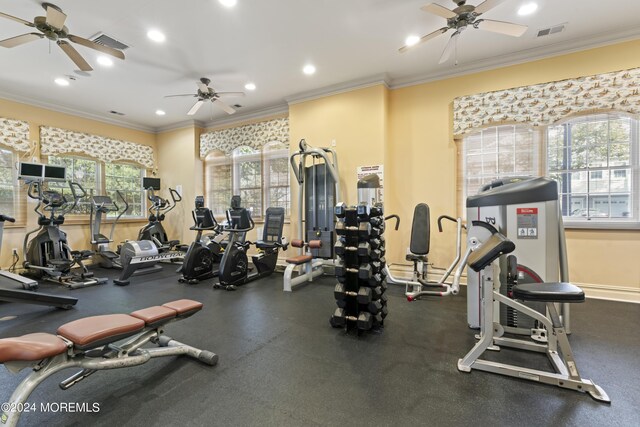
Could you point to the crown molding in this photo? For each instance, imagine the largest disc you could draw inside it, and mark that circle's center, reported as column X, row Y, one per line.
column 78, row 113
column 249, row 115
column 378, row 79
column 524, row 56
column 180, row 125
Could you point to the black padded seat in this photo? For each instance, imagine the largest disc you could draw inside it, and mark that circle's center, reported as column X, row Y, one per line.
column 548, row 292
column 265, row 245
column 416, row 257
column 489, row 251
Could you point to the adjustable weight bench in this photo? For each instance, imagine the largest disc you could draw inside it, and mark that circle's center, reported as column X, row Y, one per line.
column 91, row 345
column 481, row 257
column 308, row 267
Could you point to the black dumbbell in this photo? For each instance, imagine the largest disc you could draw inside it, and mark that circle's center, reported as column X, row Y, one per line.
column 339, row 319
column 341, row 248
column 341, row 228
column 377, row 307
column 364, row 249
column 363, row 211
column 376, row 210
column 340, row 210
column 376, row 231
column 364, row 295
column 364, row 230
column 376, row 242
column 376, row 221
column 365, row 271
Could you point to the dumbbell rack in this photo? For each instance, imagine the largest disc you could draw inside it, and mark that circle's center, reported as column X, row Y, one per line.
column 360, row 265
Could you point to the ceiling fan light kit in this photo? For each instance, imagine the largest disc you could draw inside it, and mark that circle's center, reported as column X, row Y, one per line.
column 52, row 28
column 207, row 93
column 461, row 18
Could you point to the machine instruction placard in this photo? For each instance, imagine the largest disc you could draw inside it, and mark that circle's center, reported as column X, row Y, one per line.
column 363, row 171
column 527, row 223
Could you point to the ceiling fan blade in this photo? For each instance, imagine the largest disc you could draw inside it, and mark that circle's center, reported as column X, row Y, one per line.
column 195, row 107
column 55, row 17
column 424, row 39
column 230, row 94
column 508, row 28
column 487, row 5
column 446, row 53
column 224, row 106
column 18, row 40
column 203, row 87
column 74, row 56
column 95, row 46
column 13, row 18
column 442, row 11
column 186, row 94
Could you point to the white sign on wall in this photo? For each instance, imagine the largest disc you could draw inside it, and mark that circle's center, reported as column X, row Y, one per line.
column 363, row 171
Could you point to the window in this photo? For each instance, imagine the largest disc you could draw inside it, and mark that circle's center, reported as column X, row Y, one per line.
column 218, row 183
column 84, row 172
column 10, row 195
column 247, row 179
column 276, row 176
column 127, row 179
column 498, row 152
column 261, row 178
column 593, row 158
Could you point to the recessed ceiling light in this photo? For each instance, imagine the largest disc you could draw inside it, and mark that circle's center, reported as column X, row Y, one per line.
column 160, row 113
column 228, row 3
column 309, row 69
column 411, row 40
column 527, row 8
column 250, row 86
column 105, row 61
column 61, row 82
column 156, row 36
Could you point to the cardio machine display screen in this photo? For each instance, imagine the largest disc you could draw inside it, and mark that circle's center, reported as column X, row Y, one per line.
column 153, row 183
column 55, row 172
column 31, row 170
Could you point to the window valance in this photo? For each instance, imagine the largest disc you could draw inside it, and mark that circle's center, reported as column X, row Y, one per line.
column 54, row 141
column 546, row 103
column 253, row 135
column 15, row 134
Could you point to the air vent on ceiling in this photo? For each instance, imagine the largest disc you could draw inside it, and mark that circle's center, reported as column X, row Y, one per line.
column 117, row 113
column 552, row 30
column 105, row 40
column 237, row 105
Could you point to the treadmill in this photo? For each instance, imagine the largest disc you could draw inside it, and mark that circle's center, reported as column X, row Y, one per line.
column 26, row 295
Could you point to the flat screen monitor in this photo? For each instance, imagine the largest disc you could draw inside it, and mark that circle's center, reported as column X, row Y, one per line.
column 55, row 173
column 31, row 171
column 153, row 183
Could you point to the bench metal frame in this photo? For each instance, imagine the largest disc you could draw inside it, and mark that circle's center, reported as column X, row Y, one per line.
column 557, row 347
column 110, row 356
column 306, row 273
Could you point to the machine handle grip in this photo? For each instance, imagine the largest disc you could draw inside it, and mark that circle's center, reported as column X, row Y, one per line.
column 175, row 196
column 450, row 218
column 35, row 190
column 396, row 217
column 76, row 186
column 7, row 218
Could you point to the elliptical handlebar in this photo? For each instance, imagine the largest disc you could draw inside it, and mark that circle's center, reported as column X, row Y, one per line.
column 77, row 195
column 450, row 218
column 4, row 218
column 396, row 217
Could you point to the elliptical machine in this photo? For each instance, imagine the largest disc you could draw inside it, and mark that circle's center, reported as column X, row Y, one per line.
column 103, row 205
column 154, row 230
column 48, row 255
column 234, row 266
column 202, row 256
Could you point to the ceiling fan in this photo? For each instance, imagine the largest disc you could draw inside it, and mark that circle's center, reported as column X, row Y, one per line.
column 206, row 93
column 52, row 27
column 460, row 18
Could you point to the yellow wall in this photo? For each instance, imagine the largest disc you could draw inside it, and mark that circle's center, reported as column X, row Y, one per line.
column 78, row 234
column 423, row 168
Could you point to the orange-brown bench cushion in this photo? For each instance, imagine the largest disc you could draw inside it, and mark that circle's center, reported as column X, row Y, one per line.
column 300, row 259
column 100, row 330
column 155, row 316
column 31, row 347
column 184, row 307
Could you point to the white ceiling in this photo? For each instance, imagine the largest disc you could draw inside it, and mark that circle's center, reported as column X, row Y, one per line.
column 268, row 42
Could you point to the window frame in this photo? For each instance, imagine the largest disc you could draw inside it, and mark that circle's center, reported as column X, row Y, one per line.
column 19, row 204
column 606, row 223
column 541, row 139
column 101, row 188
column 143, row 198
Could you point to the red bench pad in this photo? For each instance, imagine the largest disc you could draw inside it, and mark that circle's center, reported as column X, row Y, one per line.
column 31, row 347
column 155, row 316
column 184, row 307
column 301, row 259
column 100, row 330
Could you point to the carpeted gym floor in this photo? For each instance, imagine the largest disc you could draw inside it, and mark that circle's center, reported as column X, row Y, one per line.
column 282, row 364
